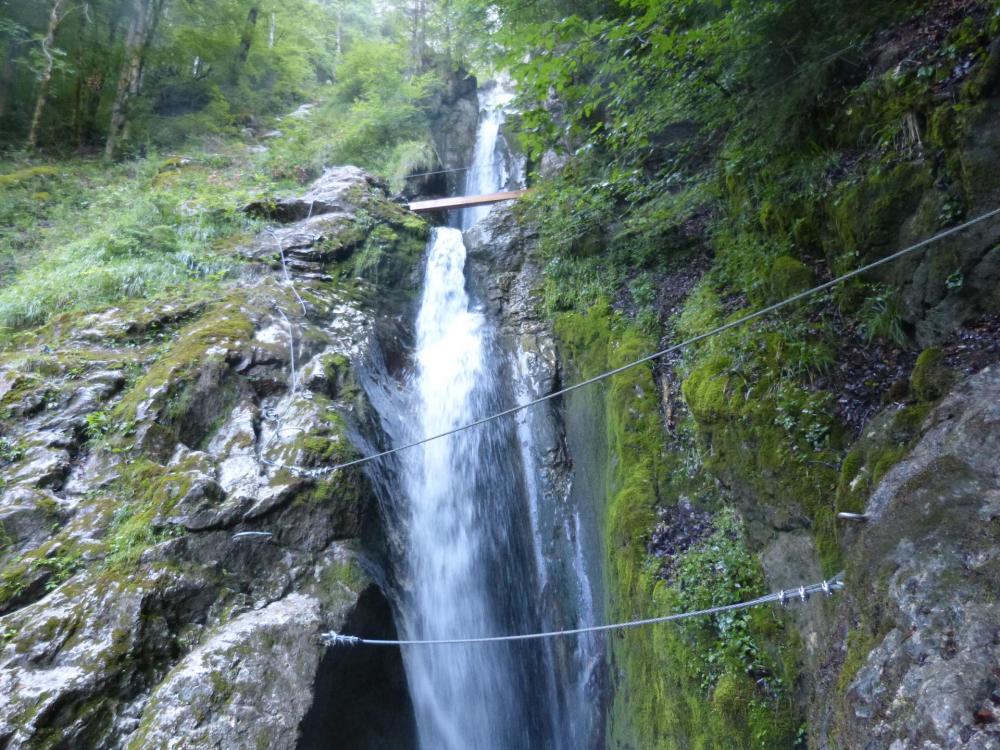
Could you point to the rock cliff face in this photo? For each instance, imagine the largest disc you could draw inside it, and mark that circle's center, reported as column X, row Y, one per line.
column 167, row 556
column 564, row 456
column 171, row 549
column 916, row 640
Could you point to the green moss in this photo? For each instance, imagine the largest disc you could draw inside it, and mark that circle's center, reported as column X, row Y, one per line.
column 906, row 422
column 339, row 376
column 6, row 540
column 670, row 675
column 859, row 644
column 321, row 450
column 54, row 562
column 707, row 392
column 24, row 175
column 224, row 327
column 10, row 452
column 734, row 693
column 931, row 377
column 689, row 685
column 586, row 337
column 147, row 493
column 865, row 215
column 886, row 441
column 27, row 392
column 13, row 581
column 788, row 276
column 760, row 433
column 387, row 255
column 341, row 582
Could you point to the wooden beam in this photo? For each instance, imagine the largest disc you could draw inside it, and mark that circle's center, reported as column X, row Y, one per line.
column 465, row 201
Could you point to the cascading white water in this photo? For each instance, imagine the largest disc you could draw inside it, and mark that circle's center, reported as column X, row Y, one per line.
column 487, row 173
column 455, row 691
column 474, row 562
column 471, row 696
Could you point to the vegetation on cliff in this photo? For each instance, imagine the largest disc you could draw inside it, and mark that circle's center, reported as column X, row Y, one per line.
column 691, row 161
column 771, row 146
column 212, row 127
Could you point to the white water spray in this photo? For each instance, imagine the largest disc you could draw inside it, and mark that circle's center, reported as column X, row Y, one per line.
column 488, row 172
column 456, row 692
column 474, row 564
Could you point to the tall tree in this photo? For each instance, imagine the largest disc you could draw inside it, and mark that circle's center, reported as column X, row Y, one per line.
column 339, row 15
column 246, row 40
column 145, row 17
column 418, row 34
column 56, row 16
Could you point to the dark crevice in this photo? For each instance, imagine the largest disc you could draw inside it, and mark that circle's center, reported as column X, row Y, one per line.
column 360, row 698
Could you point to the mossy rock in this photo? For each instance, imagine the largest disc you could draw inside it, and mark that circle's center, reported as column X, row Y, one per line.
column 200, row 348
column 931, row 377
column 986, row 82
column 866, row 215
column 731, row 698
column 788, row 276
column 24, row 175
column 978, row 154
column 706, row 390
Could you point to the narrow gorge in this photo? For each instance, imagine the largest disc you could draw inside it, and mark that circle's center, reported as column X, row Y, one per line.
column 253, row 408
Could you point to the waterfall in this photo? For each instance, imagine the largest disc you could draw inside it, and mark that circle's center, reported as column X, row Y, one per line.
column 488, row 172
column 468, row 510
column 454, row 689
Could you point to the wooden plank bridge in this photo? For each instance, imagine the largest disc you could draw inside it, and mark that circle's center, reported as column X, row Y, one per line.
column 465, row 201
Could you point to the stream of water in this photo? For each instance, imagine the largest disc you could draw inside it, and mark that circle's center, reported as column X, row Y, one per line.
column 475, row 560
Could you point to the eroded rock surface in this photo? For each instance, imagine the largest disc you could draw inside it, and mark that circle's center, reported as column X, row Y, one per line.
column 917, row 650
column 172, row 545
column 251, row 682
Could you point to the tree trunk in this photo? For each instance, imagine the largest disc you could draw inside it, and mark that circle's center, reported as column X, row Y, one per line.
column 246, row 41
column 417, row 35
column 78, row 109
column 81, row 78
column 449, row 50
column 140, row 34
column 340, row 30
column 55, row 18
column 272, row 31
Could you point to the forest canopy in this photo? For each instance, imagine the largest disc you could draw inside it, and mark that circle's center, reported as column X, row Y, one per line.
column 121, row 75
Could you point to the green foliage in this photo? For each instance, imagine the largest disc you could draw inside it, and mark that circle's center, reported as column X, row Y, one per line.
column 881, row 316
column 782, row 134
column 689, row 686
column 885, row 441
column 146, row 492
column 10, row 452
column 137, row 239
column 719, row 571
column 407, row 158
column 788, row 276
column 376, row 116
column 209, row 67
column 22, row 176
column 97, row 425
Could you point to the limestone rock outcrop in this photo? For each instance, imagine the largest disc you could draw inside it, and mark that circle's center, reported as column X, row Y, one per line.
column 172, row 546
